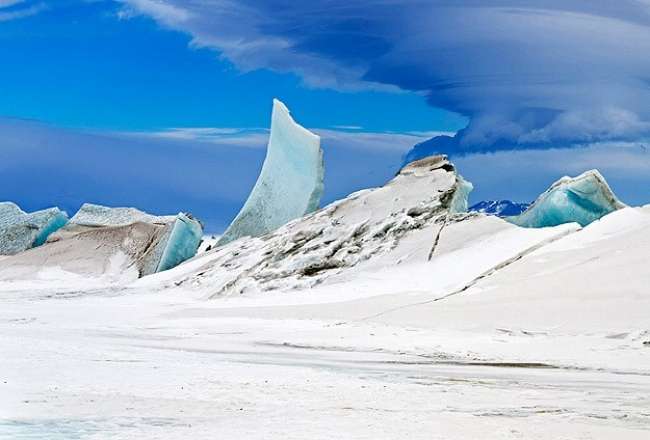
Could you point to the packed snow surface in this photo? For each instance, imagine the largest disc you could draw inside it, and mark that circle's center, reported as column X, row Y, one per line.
column 581, row 199
column 20, row 230
column 97, row 215
column 384, row 315
column 290, row 184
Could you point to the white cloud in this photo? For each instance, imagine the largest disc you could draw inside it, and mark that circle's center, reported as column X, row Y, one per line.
column 164, row 12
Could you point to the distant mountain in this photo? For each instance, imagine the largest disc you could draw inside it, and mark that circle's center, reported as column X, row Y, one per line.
column 501, row 208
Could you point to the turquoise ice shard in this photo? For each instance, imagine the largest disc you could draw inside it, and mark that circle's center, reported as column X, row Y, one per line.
column 290, row 184
column 581, row 199
column 182, row 242
column 20, row 230
column 459, row 201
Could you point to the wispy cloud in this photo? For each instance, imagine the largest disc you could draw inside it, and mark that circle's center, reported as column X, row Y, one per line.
column 166, row 13
column 15, row 9
column 244, row 137
column 7, row 3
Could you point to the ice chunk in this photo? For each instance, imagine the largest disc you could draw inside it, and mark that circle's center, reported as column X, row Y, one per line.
column 20, row 231
column 290, row 184
column 458, row 202
column 172, row 239
column 182, row 243
column 582, row 199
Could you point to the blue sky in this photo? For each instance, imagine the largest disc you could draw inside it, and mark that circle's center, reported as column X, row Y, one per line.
column 164, row 104
column 79, row 64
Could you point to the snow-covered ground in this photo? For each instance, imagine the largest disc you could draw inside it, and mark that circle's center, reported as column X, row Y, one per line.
column 441, row 327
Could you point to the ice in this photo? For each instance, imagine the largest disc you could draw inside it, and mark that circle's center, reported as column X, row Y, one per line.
column 182, row 243
column 107, row 243
column 290, row 184
column 97, row 215
column 178, row 242
column 582, row 200
column 20, row 231
column 459, row 200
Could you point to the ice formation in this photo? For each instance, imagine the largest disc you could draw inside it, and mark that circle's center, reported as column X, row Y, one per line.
column 174, row 239
column 290, row 184
column 582, row 200
column 107, row 246
column 459, row 200
column 358, row 230
column 20, row 231
column 182, row 243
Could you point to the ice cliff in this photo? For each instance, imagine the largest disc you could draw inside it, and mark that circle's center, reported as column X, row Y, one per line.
column 20, row 231
column 581, row 199
column 290, row 183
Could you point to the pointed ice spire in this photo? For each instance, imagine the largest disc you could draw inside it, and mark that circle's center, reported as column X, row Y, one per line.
column 290, row 184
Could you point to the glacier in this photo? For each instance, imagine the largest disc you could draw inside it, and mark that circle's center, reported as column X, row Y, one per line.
column 20, row 231
column 290, row 183
column 582, row 199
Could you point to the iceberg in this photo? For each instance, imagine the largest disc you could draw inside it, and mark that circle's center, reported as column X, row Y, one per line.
column 583, row 199
column 20, row 231
column 290, row 183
